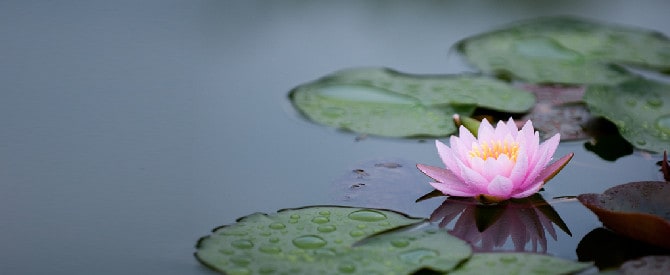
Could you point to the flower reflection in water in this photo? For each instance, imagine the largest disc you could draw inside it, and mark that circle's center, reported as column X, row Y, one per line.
column 489, row 226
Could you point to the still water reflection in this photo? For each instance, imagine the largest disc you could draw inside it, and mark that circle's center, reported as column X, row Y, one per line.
column 515, row 225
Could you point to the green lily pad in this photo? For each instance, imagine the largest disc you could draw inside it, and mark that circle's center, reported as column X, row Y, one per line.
column 385, row 102
column 640, row 109
column 320, row 240
column 518, row 263
column 567, row 50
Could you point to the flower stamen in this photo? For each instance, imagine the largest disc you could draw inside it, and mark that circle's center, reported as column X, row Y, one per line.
column 494, row 149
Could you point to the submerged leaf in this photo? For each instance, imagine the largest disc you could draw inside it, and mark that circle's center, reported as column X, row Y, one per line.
column 385, row 102
column 639, row 108
column 559, row 110
column 566, row 50
column 639, row 210
column 518, row 263
column 319, row 240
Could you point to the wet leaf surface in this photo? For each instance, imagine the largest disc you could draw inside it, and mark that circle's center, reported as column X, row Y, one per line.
column 640, row 109
column 639, row 210
column 320, row 240
column 566, row 50
column 518, row 263
column 385, row 102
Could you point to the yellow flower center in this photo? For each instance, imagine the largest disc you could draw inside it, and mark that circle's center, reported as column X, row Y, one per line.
column 494, row 149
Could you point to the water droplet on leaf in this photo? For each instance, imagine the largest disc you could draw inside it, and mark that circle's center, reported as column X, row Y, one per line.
column 367, row 216
column 270, row 249
column 326, row 228
column 654, row 102
column 663, row 123
column 347, row 268
column 309, row 242
column 277, row 225
column 242, row 244
column 320, row 220
column 417, row 256
column 400, row 243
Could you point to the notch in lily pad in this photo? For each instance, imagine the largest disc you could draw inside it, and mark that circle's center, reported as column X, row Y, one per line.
column 385, row 102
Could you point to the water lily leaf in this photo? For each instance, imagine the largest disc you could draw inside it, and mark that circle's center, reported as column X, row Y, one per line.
column 639, row 210
column 639, row 108
column 518, row 263
column 566, row 50
column 319, row 240
column 385, row 102
column 431, row 247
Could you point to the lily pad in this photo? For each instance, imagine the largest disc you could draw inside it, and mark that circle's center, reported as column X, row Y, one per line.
column 640, row 109
column 320, row 240
column 559, row 110
column 638, row 210
column 385, row 102
column 518, row 263
column 567, row 50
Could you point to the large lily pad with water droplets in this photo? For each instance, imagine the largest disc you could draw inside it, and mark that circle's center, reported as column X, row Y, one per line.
column 567, row 50
column 638, row 210
column 320, row 240
column 518, row 263
column 640, row 109
column 385, row 102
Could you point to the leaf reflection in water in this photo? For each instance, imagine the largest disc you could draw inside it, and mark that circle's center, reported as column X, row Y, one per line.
column 488, row 227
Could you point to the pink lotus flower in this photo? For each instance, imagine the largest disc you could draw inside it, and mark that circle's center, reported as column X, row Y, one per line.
column 501, row 163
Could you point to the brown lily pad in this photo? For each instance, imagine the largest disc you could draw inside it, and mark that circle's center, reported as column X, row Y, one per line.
column 639, row 210
column 558, row 110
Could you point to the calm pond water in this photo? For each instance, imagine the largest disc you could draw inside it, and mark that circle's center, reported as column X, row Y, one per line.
column 130, row 129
